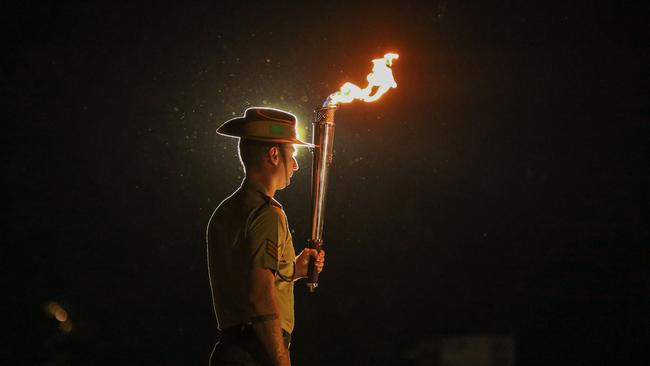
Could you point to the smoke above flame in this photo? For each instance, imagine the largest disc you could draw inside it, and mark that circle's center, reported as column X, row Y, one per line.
column 380, row 80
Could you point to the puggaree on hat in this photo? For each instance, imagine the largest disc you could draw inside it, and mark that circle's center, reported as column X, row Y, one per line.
column 264, row 124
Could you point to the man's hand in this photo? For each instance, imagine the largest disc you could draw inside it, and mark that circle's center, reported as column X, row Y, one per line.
column 302, row 262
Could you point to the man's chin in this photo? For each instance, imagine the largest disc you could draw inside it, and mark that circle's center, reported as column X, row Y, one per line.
column 286, row 185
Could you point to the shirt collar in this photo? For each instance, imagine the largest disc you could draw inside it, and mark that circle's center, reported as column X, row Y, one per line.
column 254, row 186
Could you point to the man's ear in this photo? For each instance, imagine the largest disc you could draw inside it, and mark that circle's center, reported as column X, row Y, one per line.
column 274, row 155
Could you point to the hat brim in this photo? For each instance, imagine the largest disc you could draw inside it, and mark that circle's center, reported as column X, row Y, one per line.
column 231, row 128
column 295, row 142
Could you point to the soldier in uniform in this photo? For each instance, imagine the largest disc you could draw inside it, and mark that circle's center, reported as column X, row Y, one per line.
column 251, row 258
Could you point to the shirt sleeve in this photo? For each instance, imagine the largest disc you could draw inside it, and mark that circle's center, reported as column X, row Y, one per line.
column 265, row 238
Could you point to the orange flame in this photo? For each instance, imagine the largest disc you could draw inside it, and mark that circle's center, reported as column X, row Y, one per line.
column 380, row 80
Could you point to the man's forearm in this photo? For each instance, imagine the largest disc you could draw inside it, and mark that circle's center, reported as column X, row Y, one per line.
column 268, row 330
column 266, row 320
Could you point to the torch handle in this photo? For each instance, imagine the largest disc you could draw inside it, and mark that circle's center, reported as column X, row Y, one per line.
column 312, row 273
column 323, row 153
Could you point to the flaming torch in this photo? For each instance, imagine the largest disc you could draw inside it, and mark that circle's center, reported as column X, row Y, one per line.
column 380, row 80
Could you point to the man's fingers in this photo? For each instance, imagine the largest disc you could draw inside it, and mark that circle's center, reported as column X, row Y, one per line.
column 307, row 254
column 318, row 256
column 315, row 253
column 320, row 261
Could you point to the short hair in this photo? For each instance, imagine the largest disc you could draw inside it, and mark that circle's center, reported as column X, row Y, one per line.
column 252, row 152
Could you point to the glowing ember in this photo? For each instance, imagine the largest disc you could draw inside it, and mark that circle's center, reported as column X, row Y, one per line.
column 56, row 311
column 380, row 80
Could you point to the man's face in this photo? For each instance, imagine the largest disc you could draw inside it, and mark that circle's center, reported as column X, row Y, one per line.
column 290, row 164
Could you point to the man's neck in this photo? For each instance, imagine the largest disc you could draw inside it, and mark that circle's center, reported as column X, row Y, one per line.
column 264, row 180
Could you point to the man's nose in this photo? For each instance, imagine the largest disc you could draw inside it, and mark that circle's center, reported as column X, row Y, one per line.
column 295, row 164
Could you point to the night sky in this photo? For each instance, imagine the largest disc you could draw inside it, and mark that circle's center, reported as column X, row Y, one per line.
column 501, row 189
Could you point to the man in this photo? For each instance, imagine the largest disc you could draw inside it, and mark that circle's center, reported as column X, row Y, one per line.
column 251, row 258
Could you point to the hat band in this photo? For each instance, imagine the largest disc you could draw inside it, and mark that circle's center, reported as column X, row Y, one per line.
column 268, row 130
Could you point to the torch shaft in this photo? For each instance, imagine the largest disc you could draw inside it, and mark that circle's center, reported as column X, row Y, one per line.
column 323, row 138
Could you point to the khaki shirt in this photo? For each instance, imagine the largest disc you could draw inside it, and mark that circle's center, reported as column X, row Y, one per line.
column 249, row 230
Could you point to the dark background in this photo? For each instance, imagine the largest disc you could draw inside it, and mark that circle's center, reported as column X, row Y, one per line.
column 500, row 189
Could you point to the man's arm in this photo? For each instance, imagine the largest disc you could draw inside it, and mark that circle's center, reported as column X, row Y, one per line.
column 266, row 321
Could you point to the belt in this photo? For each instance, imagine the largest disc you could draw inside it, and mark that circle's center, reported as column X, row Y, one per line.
column 246, row 331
